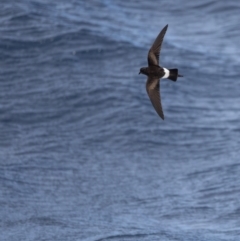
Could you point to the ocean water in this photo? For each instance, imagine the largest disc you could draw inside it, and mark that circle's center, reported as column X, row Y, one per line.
column 83, row 154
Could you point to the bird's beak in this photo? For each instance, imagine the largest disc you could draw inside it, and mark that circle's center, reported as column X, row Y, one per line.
column 139, row 72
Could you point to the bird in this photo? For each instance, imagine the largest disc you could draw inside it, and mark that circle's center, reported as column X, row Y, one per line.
column 155, row 72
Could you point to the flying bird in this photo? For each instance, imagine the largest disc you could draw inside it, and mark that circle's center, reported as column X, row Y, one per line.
column 156, row 72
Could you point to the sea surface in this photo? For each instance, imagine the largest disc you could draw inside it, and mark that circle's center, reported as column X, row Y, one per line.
column 83, row 154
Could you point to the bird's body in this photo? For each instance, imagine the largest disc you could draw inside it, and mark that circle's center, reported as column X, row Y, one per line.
column 156, row 72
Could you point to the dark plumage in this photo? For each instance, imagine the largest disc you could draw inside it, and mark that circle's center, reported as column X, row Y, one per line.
column 155, row 72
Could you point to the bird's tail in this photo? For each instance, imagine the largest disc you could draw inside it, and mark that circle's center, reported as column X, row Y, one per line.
column 173, row 75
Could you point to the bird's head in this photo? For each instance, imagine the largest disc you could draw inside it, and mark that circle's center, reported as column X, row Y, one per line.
column 143, row 70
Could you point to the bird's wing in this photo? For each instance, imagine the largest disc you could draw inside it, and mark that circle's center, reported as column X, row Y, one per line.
column 154, row 52
column 153, row 90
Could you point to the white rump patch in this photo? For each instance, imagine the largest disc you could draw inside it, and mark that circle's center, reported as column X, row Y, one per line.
column 167, row 73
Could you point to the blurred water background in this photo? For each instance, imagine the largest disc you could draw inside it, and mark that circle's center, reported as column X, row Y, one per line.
column 83, row 154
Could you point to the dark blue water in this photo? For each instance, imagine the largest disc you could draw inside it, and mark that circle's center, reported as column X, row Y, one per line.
column 83, row 154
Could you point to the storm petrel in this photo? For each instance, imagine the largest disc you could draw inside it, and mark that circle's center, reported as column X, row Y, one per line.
column 156, row 72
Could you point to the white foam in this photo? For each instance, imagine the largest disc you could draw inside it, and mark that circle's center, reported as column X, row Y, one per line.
column 167, row 73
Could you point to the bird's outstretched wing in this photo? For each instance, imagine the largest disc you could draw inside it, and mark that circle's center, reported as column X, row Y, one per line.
column 153, row 90
column 154, row 52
